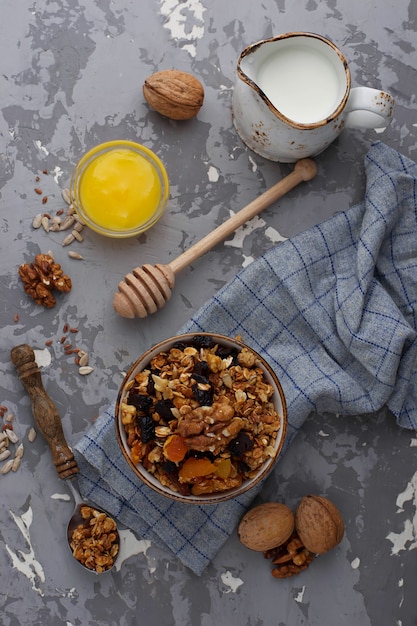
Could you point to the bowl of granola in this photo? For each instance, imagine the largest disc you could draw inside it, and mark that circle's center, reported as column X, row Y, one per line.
column 201, row 418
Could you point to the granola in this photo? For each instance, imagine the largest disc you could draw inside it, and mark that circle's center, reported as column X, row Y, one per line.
column 95, row 542
column 201, row 417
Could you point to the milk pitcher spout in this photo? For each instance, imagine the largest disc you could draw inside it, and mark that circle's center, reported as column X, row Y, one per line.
column 293, row 97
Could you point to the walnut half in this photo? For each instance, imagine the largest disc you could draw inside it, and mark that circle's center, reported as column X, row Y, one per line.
column 41, row 277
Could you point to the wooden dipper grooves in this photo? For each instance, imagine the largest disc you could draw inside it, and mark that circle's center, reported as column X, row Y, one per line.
column 146, row 289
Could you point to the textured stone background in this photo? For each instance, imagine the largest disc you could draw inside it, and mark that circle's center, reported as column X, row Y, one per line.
column 70, row 77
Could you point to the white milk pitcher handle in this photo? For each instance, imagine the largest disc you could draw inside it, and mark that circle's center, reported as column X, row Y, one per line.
column 368, row 108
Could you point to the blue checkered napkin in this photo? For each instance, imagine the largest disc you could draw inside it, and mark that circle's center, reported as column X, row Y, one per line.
column 333, row 310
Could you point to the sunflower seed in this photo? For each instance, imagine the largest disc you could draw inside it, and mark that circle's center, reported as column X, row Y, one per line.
column 31, row 434
column 11, row 435
column 45, row 223
column 77, row 235
column 4, row 455
column 19, row 451
column 68, row 239
column 78, row 226
column 9, row 417
column 6, row 467
column 16, row 463
column 66, row 195
column 37, row 221
column 75, row 255
column 85, row 369
column 83, row 359
column 67, row 222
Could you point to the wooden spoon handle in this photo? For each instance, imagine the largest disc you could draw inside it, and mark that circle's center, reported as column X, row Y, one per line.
column 304, row 170
column 44, row 410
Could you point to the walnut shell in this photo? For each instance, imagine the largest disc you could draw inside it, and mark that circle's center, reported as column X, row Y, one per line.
column 266, row 526
column 177, row 95
column 319, row 524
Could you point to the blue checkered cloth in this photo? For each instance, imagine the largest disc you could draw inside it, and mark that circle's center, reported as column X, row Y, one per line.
column 333, row 310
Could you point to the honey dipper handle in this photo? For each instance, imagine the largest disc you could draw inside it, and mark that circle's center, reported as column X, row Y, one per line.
column 44, row 410
column 304, row 170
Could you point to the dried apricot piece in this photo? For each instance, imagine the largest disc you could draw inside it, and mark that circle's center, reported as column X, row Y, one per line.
column 175, row 448
column 195, row 468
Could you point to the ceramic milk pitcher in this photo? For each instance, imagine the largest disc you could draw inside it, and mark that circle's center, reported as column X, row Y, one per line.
column 293, row 97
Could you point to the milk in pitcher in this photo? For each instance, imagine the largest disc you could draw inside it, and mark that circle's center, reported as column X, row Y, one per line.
column 302, row 83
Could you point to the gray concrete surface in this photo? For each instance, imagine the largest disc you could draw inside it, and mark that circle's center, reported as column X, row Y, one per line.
column 70, row 77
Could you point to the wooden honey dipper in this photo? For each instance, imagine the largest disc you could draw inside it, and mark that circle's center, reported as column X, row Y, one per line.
column 146, row 289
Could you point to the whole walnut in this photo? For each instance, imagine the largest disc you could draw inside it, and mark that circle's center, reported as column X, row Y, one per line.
column 266, row 526
column 174, row 94
column 319, row 524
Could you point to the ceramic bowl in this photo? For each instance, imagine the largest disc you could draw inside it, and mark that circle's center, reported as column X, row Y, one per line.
column 119, row 189
column 148, row 478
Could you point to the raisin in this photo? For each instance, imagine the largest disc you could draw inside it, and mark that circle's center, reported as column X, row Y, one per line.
column 223, row 352
column 201, row 372
column 241, row 444
column 180, row 345
column 140, row 402
column 146, row 427
column 163, row 408
column 170, row 468
column 150, row 388
column 203, row 396
column 202, row 341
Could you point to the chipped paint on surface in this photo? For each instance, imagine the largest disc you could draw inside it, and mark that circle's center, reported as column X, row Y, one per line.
column 213, row 174
column 273, row 235
column 300, row 595
column 244, row 231
column 185, row 22
column 355, row 563
column 41, row 148
column 130, row 545
column 26, row 562
column 233, row 582
column 407, row 538
column 61, row 496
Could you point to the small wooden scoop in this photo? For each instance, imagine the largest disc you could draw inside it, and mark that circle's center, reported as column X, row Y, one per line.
column 146, row 289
